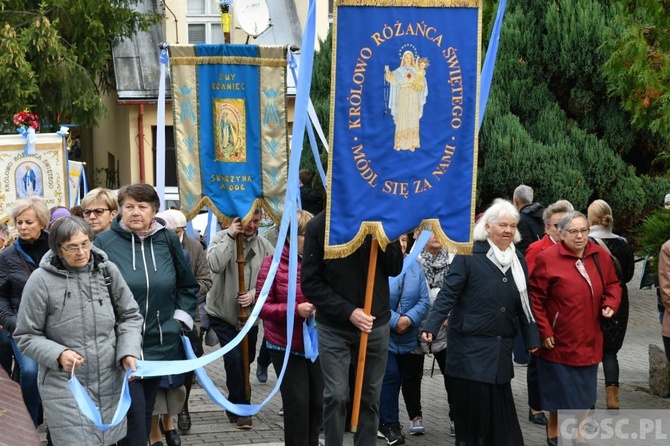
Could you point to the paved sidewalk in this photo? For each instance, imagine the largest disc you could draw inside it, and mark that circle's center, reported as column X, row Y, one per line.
column 210, row 426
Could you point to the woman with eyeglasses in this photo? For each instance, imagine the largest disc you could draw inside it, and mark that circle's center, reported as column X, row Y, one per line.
column 30, row 216
column 152, row 262
column 573, row 287
column 99, row 207
column 70, row 319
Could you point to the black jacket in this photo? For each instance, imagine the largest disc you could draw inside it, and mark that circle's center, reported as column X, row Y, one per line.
column 337, row 286
column 531, row 226
column 484, row 311
column 311, row 200
column 16, row 266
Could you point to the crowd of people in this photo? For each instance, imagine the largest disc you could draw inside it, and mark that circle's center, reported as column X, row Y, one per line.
column 89, row 291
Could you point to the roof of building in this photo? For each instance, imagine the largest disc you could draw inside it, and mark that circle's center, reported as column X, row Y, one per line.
column 136, row 64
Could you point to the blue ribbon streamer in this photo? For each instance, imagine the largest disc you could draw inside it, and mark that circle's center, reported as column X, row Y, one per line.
column 413, row 254
column 310, row 131
column 90, row 410
column 160, row 128
column 490, row 62
column 147, row 369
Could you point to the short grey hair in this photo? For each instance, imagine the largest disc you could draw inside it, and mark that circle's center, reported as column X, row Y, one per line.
column 555, row 208
column 565, row 221
column 35, row 203
column 499, row 208
column 524, row 194
column 64, row 229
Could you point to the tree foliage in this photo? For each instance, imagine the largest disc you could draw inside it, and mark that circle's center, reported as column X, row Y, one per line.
column 552, row 121
column 56, row 56
column 638, row 65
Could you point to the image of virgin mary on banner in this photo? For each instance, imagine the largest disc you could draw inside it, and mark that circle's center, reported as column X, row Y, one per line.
column 403, row 121
column 230, row 120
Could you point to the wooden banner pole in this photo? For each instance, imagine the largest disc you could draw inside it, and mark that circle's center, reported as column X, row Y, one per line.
column 243, row 314
column 363, row 347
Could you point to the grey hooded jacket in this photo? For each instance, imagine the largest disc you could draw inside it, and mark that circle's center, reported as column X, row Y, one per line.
column 70, row 308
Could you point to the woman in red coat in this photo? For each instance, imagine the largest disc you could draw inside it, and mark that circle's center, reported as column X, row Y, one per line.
column 572, row 286
column 302, row 387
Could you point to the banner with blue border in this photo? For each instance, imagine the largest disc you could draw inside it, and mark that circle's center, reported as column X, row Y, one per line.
column 404, row 107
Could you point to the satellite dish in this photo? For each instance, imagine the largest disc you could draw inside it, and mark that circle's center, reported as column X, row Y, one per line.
column 253, row 16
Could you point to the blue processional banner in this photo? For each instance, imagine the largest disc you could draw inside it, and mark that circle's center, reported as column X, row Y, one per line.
column 230, row 120
column 403, row 121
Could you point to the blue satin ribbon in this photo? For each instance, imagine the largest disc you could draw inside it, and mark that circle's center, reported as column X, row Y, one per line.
column 413, row 254
column 310, row 338
column 24, row 132
column 147, row 369
column 489, row 63
column 90, row 410
column 310, row 131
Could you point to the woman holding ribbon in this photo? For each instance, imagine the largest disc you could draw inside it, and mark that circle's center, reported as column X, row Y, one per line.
column 70, row 319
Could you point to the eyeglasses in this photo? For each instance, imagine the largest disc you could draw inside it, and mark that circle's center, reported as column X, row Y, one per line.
column 98, row 212
column 86, row 246
column 574, row 232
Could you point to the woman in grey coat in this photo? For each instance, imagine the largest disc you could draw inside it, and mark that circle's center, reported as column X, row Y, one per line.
column 68, row 319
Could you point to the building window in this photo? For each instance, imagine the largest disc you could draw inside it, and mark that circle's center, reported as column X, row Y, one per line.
column 203, row 19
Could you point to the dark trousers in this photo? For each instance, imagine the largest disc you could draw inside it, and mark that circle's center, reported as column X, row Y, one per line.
column 6, row 352
column 143, row 394
column 232, row 361
column 411, row 385
column 302, row 398
column 396, row 368
column 264, row 358
column 441, row 359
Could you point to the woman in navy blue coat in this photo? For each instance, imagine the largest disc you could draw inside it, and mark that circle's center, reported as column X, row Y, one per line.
column 485, row 297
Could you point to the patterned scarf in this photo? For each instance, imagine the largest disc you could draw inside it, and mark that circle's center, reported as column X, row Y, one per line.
column 435, row 267
column 140, row 234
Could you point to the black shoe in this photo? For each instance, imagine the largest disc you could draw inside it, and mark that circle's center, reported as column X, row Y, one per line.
column 553, row 441
column 184, row 421
column 537, row 418
column 262, row 373
column 172, row 438
column 232, row 417
column 392, row 433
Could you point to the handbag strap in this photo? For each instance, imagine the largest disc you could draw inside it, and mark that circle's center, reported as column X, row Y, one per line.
column 617, row 264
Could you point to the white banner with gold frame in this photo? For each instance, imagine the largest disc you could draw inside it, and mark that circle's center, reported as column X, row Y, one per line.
column 43, row 173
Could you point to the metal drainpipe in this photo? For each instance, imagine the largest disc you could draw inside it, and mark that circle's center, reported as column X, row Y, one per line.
column 140, row 135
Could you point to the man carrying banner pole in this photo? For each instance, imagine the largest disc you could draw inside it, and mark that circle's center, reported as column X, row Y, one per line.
column 337, row 287
column 229, row 296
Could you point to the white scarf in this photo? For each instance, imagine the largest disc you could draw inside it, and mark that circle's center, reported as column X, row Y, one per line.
column 505, row 259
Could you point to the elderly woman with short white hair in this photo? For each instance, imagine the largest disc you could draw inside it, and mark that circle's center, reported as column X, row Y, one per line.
column 485, row 298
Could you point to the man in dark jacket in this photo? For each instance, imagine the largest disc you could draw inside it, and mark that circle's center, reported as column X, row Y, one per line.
column 311, row 200
column 337, row 288
column 531, row 225
column 531, row 229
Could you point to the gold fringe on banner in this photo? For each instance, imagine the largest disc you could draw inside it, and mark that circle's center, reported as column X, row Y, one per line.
column 376, row 229
column 416, row 3
column 229, row 60
column 227, row 219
